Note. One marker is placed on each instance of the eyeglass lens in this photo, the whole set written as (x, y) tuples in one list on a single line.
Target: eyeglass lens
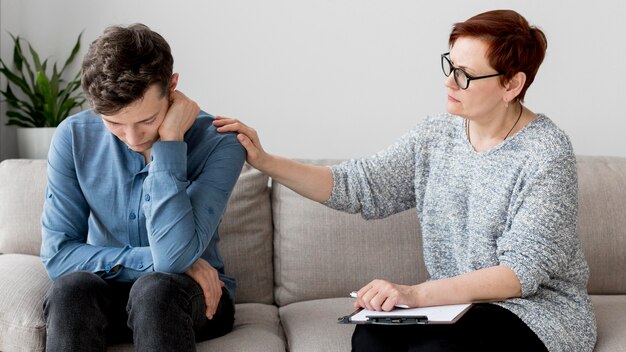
[(459, 75)]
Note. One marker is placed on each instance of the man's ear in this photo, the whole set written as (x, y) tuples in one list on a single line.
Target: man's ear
[(173, 83), (514, 86)]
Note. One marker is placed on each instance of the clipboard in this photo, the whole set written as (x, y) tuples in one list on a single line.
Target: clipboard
[(448, 314)]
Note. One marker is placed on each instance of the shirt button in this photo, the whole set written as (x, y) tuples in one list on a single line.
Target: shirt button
[(151, 158), (107, 268), (147, 197), (140, 266), (132, 216)]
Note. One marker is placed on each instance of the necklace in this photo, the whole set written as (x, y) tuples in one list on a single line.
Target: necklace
[(521, 109)]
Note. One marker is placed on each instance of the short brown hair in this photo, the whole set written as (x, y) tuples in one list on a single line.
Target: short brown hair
[(514, 45), (122, 64)]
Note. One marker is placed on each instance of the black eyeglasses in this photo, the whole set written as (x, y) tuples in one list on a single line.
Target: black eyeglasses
[(461, 77)]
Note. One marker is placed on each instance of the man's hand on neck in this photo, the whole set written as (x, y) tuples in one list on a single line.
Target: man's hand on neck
[(179, 118)]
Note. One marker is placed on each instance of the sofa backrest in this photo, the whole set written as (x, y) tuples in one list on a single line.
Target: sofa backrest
[(245, 231), (22, 185), (246, 238), (320, 252), (602, 221)]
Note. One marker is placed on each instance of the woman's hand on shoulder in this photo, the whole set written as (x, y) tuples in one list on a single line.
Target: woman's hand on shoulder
[(247, 136), (384, 295)]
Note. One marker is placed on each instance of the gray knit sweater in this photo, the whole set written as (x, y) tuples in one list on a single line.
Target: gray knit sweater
[(514, 205)]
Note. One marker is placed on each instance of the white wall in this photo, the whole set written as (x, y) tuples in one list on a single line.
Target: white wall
[(344, 78)]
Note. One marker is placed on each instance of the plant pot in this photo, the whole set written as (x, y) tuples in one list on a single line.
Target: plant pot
[(34, 142)]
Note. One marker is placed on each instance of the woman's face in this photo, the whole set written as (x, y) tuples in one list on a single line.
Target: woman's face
[(483, 98)]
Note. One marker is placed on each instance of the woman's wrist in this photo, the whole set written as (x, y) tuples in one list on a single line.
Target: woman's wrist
[(414, 296), (267, 164)]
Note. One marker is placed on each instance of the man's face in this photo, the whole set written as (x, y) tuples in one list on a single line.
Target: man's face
[(137, 125)]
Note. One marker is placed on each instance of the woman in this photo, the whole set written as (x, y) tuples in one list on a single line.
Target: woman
[(495, 190)]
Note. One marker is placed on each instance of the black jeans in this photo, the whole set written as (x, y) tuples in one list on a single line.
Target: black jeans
[(158, 312), (485, 327)]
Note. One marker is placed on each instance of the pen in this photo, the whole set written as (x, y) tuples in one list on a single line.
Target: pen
[(353, 295)]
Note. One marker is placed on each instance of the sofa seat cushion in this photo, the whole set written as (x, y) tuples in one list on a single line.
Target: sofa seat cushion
[(23, 285), (257, 328), (312, 326), (610, 313)]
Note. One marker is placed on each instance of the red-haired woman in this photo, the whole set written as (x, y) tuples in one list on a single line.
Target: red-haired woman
[(495, 189)]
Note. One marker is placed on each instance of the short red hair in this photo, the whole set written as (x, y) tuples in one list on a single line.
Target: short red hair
[(514, 45)]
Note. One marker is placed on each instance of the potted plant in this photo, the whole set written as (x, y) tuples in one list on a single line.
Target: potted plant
[(38, 100)]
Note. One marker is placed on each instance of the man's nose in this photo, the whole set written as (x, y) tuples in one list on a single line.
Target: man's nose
[(133, 136)]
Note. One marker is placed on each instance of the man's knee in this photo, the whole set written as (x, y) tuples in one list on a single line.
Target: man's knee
[(75, 287), (152, 286), (155, 289), (75, 295)]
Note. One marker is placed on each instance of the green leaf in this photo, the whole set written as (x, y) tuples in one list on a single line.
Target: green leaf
[(20, 51), (18, 81), (11, 98), (20, 119), (18, 58), (18, 123), (36, 60), (14, 101), (44, 65), (54, 91), (73, 54), (48, 98)]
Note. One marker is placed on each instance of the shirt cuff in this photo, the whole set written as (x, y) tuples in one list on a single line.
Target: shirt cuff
[(169, 156)]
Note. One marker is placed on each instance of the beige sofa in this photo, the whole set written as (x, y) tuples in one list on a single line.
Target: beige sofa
[(296, 260)]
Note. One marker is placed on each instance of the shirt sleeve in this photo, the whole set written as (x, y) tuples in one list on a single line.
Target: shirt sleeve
[(542, 237), (64, 222), (377, 186), (182, 216)]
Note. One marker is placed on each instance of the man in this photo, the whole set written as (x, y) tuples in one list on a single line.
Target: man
[(136, 189)]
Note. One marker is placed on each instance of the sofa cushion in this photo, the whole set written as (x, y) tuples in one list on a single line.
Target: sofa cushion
[(22, 185), (256, 328), (610, 313), (246, 238), (312, 326), (602, 221), (322, 253), (22, 288)]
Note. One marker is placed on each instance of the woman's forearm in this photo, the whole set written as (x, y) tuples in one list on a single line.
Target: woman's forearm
[(496, 283), (311, 181)]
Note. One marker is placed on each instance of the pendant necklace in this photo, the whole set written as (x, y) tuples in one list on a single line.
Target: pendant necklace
[(507, 135)]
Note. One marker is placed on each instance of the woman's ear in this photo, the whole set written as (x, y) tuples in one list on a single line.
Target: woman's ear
[(514, 86)]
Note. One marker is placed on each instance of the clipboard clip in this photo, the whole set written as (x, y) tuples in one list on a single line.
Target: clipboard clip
[(344, 319), (398, 320)]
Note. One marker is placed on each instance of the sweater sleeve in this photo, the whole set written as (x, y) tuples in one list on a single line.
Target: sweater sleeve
[(377, 186), (541, 235)]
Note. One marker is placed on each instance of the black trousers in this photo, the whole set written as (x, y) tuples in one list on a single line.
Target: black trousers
[(485, 327), (158, 312)]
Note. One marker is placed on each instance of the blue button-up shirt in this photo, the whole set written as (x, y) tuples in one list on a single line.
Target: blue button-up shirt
[(108, 212)]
